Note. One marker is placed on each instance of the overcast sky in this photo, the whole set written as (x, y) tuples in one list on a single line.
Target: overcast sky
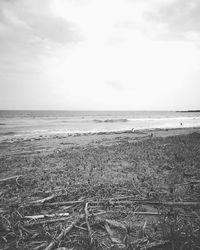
[(100, 54)]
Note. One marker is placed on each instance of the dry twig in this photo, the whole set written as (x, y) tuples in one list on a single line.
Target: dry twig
[(62, 234), (16, 177)]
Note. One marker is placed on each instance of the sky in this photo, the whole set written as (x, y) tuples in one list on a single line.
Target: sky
[(100, 54)]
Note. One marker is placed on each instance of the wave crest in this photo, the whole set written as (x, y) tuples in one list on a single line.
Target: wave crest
[(111, 120)]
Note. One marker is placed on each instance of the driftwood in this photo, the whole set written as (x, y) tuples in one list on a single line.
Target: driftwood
[(15, 177), (87, 221), (42, 222), (43, 200), (64, 203), (62, 234), (112, 202), (43, 216), (158, 203), (52, 204), (122, 198)]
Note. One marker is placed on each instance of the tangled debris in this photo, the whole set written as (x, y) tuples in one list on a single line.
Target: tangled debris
[(142, 213), (124, 222)]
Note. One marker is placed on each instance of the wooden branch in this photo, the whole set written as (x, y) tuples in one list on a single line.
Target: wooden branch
[(87, 221), (122, 198), (53, 204), (144, 227), (15, 177), (158, 203), (62, 235), (64, 203), (113, 202), (43, 216), (147, 213), (44, 200), (41, 222)]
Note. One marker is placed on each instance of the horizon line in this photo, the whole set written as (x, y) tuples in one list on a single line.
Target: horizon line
[(102, 110)]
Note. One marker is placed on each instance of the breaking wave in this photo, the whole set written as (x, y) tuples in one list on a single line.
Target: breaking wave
[(111, 120)]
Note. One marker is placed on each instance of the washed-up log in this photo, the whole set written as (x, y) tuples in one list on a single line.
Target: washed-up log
[(41, 222), (62, 235), (43, 216), (112, 202), (72, 203), (87, 221), (149, 202), (158, 203)]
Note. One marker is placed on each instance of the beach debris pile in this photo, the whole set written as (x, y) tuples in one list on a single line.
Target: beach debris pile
[(53, 221), (125, 193)]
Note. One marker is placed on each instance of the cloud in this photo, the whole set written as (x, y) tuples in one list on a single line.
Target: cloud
[(29, 28), (28, 33), (99, 54), (180, 18), (114, 84), (54, 29)]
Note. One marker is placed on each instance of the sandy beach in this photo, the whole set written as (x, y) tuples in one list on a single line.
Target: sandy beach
[(99, 125), (157, 165)]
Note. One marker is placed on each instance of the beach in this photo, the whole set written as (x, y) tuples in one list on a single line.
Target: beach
[(144, 165), (99, 125)]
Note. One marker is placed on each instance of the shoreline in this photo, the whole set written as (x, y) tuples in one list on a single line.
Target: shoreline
[(15, 137), (46, 144)]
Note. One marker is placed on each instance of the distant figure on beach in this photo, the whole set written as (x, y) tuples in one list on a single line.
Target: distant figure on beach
[(181, 124)]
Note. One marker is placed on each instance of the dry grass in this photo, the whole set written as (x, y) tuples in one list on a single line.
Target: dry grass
[(158, 169)]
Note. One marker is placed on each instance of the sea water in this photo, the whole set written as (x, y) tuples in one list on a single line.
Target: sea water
[(40, 123)]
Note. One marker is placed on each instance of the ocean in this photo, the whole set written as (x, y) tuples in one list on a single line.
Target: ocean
[(15, 124)]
